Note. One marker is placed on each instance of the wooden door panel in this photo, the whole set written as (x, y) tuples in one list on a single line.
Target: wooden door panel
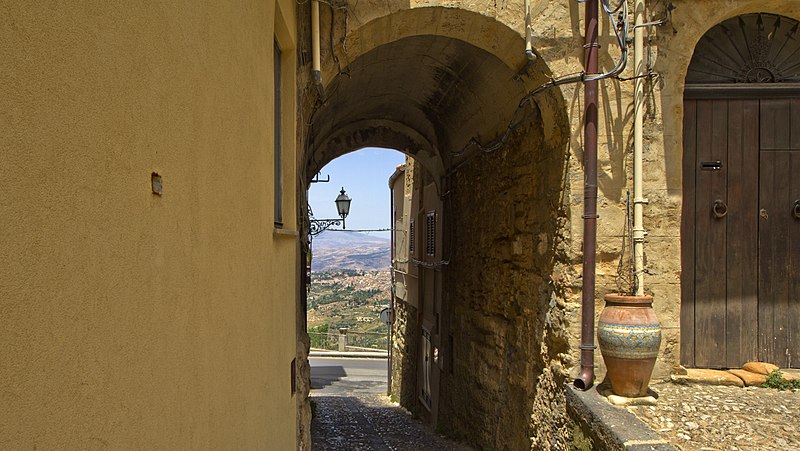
[(775, 124), (778, 232), (710, 235), (793, 246), (773, 238), (741, 309), (795, 124)]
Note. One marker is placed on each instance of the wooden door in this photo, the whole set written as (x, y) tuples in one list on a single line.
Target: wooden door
[(741, 244), (720, 304), (779, 233)]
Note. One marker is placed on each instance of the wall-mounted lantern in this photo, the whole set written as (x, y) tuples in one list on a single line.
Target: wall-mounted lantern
[(342, 206)]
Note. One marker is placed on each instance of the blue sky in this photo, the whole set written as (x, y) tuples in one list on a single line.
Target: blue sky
[(364, 174)]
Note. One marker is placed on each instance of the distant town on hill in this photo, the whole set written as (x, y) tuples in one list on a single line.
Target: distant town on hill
[(341, 250), (350, 285)]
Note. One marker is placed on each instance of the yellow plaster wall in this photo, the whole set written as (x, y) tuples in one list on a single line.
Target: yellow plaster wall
[(128, 320)]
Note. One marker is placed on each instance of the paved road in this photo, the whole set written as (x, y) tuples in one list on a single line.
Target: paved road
[(346, 376), (354, 413)]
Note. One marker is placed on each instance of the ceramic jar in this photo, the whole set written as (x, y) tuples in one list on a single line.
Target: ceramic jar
[(629, 336)]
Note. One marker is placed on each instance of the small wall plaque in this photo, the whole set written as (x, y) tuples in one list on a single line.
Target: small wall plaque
[(155, 181)]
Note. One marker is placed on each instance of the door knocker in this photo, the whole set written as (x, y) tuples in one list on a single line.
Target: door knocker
[(720, 209)]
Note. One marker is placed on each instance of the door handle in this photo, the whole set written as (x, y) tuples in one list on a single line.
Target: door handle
[(720, 209), (796, 209)]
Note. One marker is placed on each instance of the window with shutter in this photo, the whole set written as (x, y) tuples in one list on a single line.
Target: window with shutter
[(430, 234)]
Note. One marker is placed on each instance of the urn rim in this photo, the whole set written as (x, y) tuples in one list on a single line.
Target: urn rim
[(624, 299)]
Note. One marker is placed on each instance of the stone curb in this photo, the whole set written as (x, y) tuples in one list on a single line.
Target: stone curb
[(611, 427)]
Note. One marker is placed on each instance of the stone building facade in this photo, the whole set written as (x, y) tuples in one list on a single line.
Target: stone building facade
[(495, 310)]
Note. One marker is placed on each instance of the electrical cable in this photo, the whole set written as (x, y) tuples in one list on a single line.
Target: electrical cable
[(622, 29)]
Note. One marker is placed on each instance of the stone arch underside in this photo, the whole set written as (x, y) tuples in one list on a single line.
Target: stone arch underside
[(427, 82)]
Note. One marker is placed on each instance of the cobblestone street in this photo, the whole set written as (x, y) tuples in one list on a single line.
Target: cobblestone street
[(717, 418), (370, 422), (353, 413)]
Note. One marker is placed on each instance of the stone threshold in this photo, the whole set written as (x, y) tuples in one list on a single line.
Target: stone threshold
[(610, 427), (751, 374)]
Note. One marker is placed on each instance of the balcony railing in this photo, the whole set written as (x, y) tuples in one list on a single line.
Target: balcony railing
[(348, 341)]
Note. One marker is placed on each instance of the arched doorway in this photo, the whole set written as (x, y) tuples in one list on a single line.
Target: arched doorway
[(450, 88), (741, 209)]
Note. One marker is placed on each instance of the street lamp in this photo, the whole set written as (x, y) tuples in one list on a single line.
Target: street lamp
[(320, 225), (343, 205)]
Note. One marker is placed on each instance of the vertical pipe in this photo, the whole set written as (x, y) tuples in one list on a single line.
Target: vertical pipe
[(392, 222), (315, 58), (586, 378), (638, 98), (528, 31)]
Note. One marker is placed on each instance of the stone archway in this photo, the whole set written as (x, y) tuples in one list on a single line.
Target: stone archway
[(446, 87), (465, 53)]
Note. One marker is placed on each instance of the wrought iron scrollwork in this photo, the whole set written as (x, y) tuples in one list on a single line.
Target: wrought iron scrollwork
[(318, 226)]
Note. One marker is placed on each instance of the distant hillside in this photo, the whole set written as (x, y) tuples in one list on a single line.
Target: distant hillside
[(350, 250)]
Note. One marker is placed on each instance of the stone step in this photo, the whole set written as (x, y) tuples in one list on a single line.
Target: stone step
[(707, 377), (751, 374)]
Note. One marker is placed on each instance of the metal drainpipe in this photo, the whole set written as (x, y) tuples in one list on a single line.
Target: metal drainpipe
[(528, 32), (638, 98), (316, 73), (392, 297), (586, 378)]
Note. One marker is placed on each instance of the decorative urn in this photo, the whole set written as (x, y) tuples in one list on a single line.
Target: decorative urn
[(629, 336)]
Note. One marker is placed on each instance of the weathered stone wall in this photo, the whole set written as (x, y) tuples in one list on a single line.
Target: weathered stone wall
[(405, 346), (506, 311)]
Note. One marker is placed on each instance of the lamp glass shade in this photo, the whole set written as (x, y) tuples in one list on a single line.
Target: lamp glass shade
[(343, 204)]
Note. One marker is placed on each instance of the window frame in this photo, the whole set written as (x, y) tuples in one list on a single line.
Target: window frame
[(277, 163)]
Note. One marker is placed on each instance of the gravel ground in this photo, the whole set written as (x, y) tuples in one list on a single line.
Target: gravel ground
[(371, 422), (706, 418)]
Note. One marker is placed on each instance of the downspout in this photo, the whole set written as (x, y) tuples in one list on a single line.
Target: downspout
[(638, 199), (392, 223), (585, 379), (528, 32), (315, 59)]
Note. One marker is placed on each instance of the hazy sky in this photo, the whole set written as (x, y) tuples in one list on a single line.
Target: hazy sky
[(364, 174)]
